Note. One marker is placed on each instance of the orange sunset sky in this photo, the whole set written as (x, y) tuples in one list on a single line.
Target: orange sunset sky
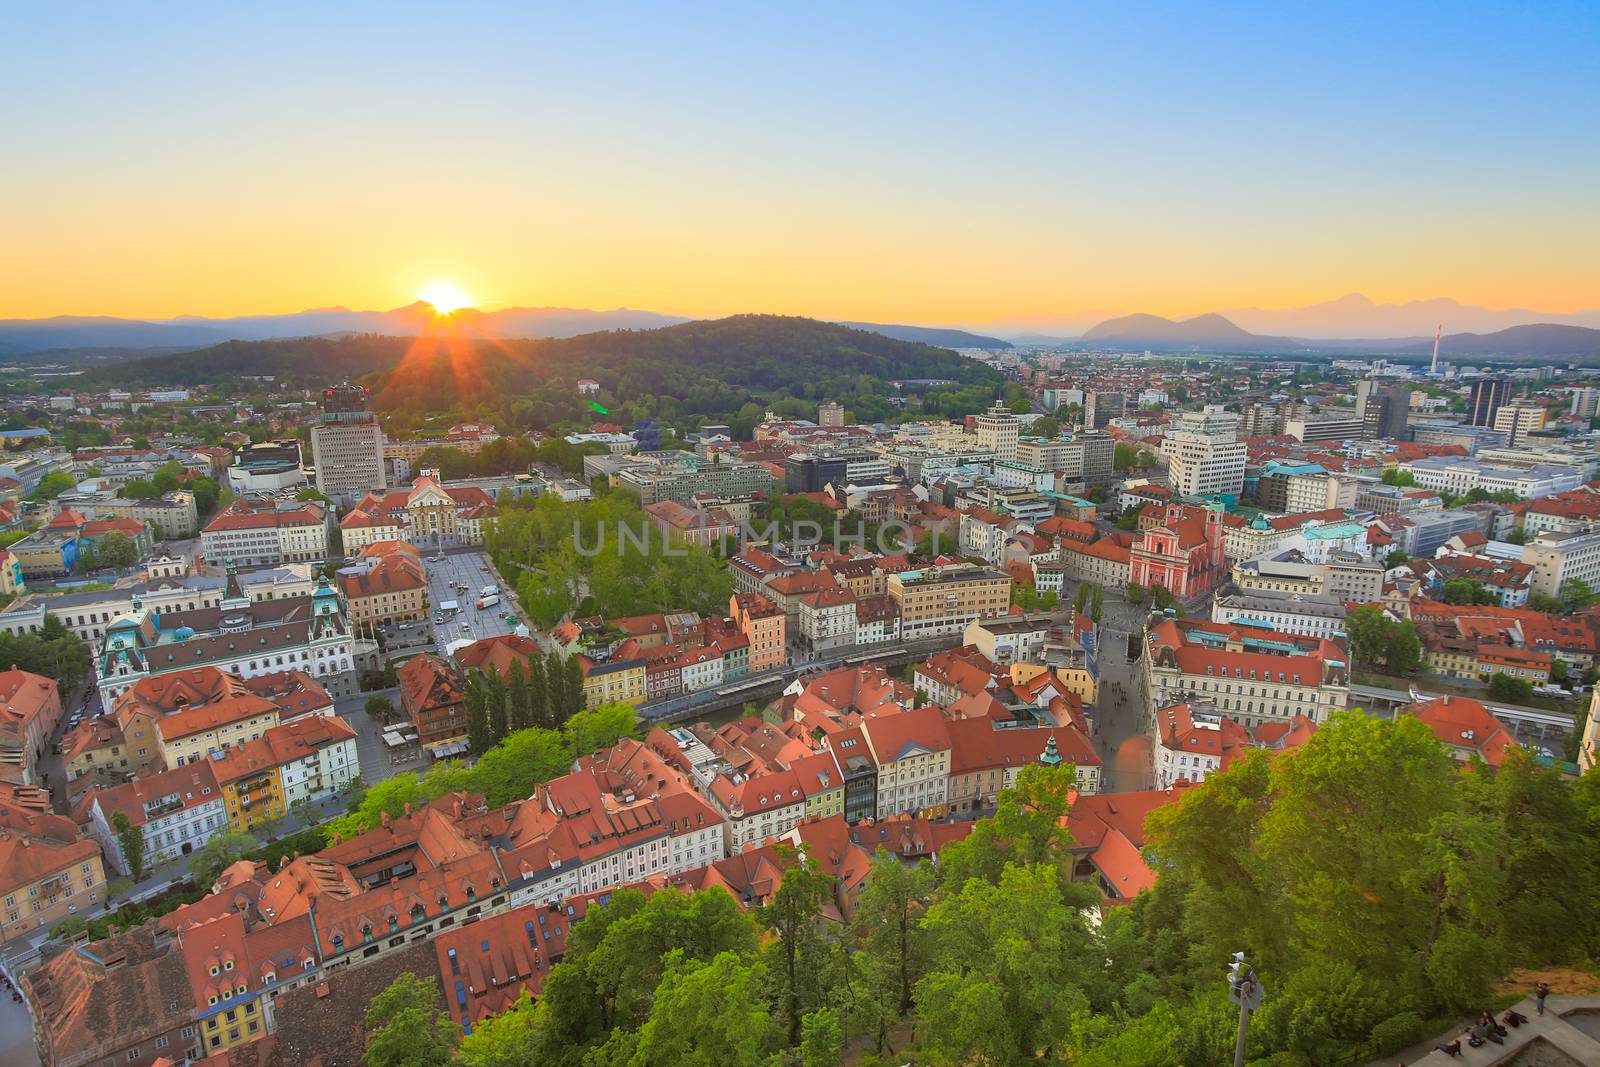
[(1017, 166)]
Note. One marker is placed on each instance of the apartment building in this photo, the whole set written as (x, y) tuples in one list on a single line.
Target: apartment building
[(178, 809), (200, 731), (47, 872), (384, 589), (265, 533), (30, 709), (1251, 674), (762, 624), (1559, 559), (1205, 454), (997, 430), (433, 698), (944, 599), (1311, 614), (347, 445)]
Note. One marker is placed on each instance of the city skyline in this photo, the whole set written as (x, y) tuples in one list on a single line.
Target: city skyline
[(1019, 168)]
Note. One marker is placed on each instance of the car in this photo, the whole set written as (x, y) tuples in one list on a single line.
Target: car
[(466, 626)]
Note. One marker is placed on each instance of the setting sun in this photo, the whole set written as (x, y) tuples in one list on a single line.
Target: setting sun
[(445, 297)]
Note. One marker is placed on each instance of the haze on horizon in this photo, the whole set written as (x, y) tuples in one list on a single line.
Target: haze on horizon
[(1018, 167)]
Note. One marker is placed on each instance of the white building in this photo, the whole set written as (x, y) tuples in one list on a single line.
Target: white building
[(1192, 741), (1205, 453), (179, 811), (266, 533), (912, 751), (316, 757), (1295, 613), (1560, 559), (997, 432), (702, 668), (347, 453), (1458, 476)]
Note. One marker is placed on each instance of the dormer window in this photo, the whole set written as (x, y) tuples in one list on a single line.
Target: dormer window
[(227, 965)]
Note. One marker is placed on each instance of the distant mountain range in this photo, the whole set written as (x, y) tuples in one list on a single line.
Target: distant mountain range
[(932, 335), (20, 337), (45, 338), (1202, 331), (1355, 316), (1216, 333)]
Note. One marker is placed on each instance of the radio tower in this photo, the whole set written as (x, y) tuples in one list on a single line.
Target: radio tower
[(1433, 370)]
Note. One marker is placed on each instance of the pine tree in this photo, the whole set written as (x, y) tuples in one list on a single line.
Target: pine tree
[(574, 704), (517, 707), (555, 689), (538, 697), (495, 700), (477, 716)]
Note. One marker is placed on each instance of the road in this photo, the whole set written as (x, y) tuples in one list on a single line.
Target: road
[(469, 624)]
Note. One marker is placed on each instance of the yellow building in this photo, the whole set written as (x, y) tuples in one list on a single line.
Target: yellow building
[(942, 600), (391, 588), (251, 785), (211, 729), (612, 682), (47, 872)]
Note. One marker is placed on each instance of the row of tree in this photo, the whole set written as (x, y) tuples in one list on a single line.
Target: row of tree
[(547, 694), (510, 770), (1378, 886)]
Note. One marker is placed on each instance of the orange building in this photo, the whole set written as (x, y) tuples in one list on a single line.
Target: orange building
[(762, 624)]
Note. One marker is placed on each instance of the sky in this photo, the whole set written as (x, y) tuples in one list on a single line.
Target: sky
[(996, 163)]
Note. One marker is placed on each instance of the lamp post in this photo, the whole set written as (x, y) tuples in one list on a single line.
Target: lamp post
[(1244, 989)]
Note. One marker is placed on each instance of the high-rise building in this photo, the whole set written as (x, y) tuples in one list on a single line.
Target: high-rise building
[(1585, 402), (1487, 396), (998, 430), (830, 414), (347, 445), (1099, 408), (1517, 420), (1205, 453), (1382, 409)]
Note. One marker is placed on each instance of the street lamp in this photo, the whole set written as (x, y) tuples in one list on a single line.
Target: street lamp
[(1244, 989)]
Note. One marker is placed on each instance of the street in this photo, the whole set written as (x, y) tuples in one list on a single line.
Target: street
[(446, 575)]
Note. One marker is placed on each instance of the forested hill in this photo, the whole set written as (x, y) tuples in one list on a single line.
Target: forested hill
[(762, 351)]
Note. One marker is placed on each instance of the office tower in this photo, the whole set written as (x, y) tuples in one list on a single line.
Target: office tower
[(997, 432), (1585, 402), (1382, 409), (1487, 396), (347, 445), (1099, 408), (1205, 453), (1519, 419)]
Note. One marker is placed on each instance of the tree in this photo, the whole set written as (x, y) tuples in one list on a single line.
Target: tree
[(494, 699), (1545, 602), (538, 694), (1376, 638), (479, 737), (1396, 477), (312, 493), (1577, 594), (573, 701), (514, 768), (1080, 597), (600, 727), (791, 915), (206, 494), (117, 550), (52, 485), (1396, 558), (408, 1026), (1128, 520), (388, 797), (217, 854), (1136, 593), (1097, 606), (130, 839), (1404, 652), (1560, 672), (1467, 591), (889, 924), (821, 1039), (140, 489), (710, 1015), (379, 707), (167, 476), (519, 712), (1512, 690)]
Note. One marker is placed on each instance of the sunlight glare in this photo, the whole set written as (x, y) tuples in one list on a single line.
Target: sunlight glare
[(445, 297)]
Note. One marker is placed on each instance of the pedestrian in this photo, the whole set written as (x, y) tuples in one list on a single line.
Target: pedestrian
[(1544, 991)]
